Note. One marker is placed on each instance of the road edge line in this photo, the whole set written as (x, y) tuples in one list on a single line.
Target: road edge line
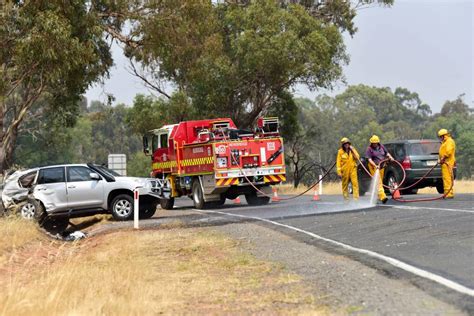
[(406, 207), (394, 262)]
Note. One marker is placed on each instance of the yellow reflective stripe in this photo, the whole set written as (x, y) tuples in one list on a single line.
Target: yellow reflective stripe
[(164, 165), (274, 178), (197, 161)]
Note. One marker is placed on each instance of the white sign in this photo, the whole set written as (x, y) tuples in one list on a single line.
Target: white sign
[(270, 146), (118, 163), (198, 150)]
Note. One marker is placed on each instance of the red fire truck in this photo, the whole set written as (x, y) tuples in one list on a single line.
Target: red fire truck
[(212, 160)]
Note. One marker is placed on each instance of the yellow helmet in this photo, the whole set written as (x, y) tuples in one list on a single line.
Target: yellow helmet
[(442, 132), (345, 140), (374, 139)]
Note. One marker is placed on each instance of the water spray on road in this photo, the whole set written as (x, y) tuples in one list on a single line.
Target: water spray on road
[(374, 185)]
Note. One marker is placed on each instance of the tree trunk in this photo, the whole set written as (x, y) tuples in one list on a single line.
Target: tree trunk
[(7, 150), (3, 166)]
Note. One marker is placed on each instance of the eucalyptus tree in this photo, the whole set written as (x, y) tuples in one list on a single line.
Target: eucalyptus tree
[(49, 51)]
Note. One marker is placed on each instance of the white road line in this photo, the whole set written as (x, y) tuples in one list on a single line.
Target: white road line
[(395, 262), (405, 207)]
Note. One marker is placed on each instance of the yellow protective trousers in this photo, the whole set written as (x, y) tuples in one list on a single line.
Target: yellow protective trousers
[(350, 176), (381, 191), (346, 163), (446, 173), (447, 151)]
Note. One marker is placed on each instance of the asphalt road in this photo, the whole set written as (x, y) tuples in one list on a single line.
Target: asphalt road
[(431, 243)]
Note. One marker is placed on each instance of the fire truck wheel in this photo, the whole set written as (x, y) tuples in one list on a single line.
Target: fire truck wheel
[(253, 199), (198, 196), (122, 207), (215, 204), (167, 204), (148, 210)]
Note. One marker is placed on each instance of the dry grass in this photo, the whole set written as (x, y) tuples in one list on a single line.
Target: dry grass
[(16, 233), (460, 186), (328, 188), (192, 271)]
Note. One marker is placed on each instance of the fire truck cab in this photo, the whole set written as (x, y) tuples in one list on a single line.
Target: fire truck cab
[(212, 160)]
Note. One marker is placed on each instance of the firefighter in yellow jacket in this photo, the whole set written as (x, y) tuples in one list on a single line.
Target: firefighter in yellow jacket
[(346, 164), (447, 159)]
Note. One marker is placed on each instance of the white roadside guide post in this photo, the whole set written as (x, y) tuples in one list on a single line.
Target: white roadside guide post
[(320, 185), (136, 207)]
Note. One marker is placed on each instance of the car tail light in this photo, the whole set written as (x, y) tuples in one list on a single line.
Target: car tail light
[(406, 163)]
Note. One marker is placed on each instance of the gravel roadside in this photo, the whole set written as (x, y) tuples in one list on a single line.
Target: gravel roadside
[(345, 285)]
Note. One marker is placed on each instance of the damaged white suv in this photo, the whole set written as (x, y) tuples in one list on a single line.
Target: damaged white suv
[(74, 190)]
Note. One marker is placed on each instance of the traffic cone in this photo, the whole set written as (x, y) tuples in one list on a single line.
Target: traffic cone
[(396, 194), (237, 200), (275, 197), (316, 195)]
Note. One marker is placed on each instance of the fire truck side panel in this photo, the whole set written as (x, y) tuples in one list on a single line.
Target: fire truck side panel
[(251, 156), (197, 159)]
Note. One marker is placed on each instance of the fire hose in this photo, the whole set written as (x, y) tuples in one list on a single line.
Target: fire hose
[(265, 194), (400, 188), (397, 188)]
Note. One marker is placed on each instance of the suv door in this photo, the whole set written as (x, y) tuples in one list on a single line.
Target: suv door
[(51, 189), (83, 191)]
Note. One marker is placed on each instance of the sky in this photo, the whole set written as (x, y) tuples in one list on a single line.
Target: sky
[(426, 46)]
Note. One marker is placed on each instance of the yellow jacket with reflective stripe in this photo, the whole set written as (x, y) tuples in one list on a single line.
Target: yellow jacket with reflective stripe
[(346, 161), (448, 150)]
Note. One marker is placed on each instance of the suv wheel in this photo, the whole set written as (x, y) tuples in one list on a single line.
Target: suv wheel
[(391, 180), (440, 187), (28, 210), (122, 207), (50, 224), (198, 195)]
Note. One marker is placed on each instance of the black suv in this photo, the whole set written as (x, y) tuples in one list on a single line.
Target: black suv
[(417, 158)]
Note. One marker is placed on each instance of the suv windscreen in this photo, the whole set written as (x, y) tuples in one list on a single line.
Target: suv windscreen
[(108, 174), (424, 149), (51, 175)]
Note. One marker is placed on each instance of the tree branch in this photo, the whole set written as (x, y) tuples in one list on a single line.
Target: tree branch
[(121, 38), (147, 82)]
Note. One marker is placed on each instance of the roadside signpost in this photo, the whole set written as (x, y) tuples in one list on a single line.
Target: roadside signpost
[(136, 209)]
